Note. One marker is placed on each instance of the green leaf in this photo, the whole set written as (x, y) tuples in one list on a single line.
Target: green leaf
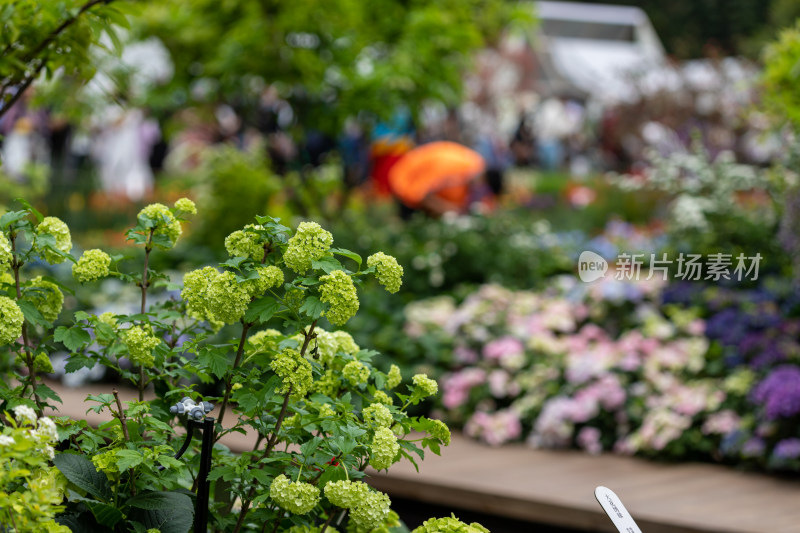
[(128, 459), (12, 217), (216, 360), (327, 264), (43, 391), (313, 307), (159, 500), (32, 314), (24, 203), (347, 253), (177, 519), (82, 473), (106, 515), (73, 338), (262, 309)]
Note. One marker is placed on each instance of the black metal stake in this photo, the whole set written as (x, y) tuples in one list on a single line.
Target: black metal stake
[(203, 484)]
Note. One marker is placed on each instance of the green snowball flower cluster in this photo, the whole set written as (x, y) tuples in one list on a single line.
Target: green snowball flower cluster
[(425, 385), (345, 342), (338, 290), (378, 415), (42, 364), (166, 223), (215, 296), (382, 397), (297, 497), (328, 384), (268, 277), (387, 270), (370, 512), (263, 341), (294, 370), (311, 529), (5, 252), (58, 229), (384, 449), (11, 319), (308, 244), (439, 430), (355, 372), (394, 377), (92, 266), (326, 345), (141, 342), (46, 297), (248, 244), (106, 462), (185, 205), (449, 525), (346, 494)]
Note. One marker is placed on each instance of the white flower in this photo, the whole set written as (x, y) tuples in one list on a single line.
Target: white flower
[(47, 429), (6, 440), (23, 413)]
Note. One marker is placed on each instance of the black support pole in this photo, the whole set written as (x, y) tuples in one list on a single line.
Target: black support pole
[(203, 484)]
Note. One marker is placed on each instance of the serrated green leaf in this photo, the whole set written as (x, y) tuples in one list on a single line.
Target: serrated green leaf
[(128, 459), (73, 338), (159, 500), (327, 264), (347, 253), (313, 307), (106, 515), (32, 315), (262, 310), (216, 360)]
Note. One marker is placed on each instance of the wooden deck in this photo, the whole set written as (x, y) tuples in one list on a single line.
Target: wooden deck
[(557, 487)]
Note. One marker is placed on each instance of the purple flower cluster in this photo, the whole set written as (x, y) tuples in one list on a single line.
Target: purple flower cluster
[(779, 392)]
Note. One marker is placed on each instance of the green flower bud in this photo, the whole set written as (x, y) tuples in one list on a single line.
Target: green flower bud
[(338, 290), (346, 494), (394, 377), (42, 364), (377, 414), (388, 272), (440, 431), (355, 372), (46, 297), (166, 223), (11, 319), (425, 385), (449, 525), (184, 205), (382, 397), (268, 277), (308, 244), (294, 370), (297, 497), (384, 449), (141, 342), (59, 230), (345, 342), (245, 244), (371, 512), (5, 252), (227, 299), (92, 266)]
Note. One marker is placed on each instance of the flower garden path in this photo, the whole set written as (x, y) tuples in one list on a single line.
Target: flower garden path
[(557, 487)]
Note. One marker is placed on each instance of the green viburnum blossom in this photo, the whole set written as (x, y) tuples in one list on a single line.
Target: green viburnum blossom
[(11, 319), (328, 384), (382, 397), (6, 277), (345, 342), (394, 377), (440, 431), (388, 272), (106, 462), (46, 297), (326, 345), (42, 364), (185, 205), (141, 341), (311, 529), (226, 298), (165, 223), (449, 525), (384, 449), (92, 266), (308, 244), (268, 277), (338, 290), (297, 497), (323, 409), (294, 370), (425, 385), (153, 530), (195, 291), (248, 244), (355, 372), (377, 414), (346, 494), (5, 252), (59, 230), (263, 341), (370, 513)]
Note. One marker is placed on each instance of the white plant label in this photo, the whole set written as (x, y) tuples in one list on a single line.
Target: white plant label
[(617, 512)]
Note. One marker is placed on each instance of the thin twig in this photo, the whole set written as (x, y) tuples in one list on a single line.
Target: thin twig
[(123, 420), (228, 381)]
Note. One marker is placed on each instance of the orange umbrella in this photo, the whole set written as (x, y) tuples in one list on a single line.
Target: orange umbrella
[(444, 168)]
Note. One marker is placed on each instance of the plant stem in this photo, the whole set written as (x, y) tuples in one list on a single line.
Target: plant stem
[(147, 249), (229, 380), (16, 264), (124, 423), (327, 522)]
